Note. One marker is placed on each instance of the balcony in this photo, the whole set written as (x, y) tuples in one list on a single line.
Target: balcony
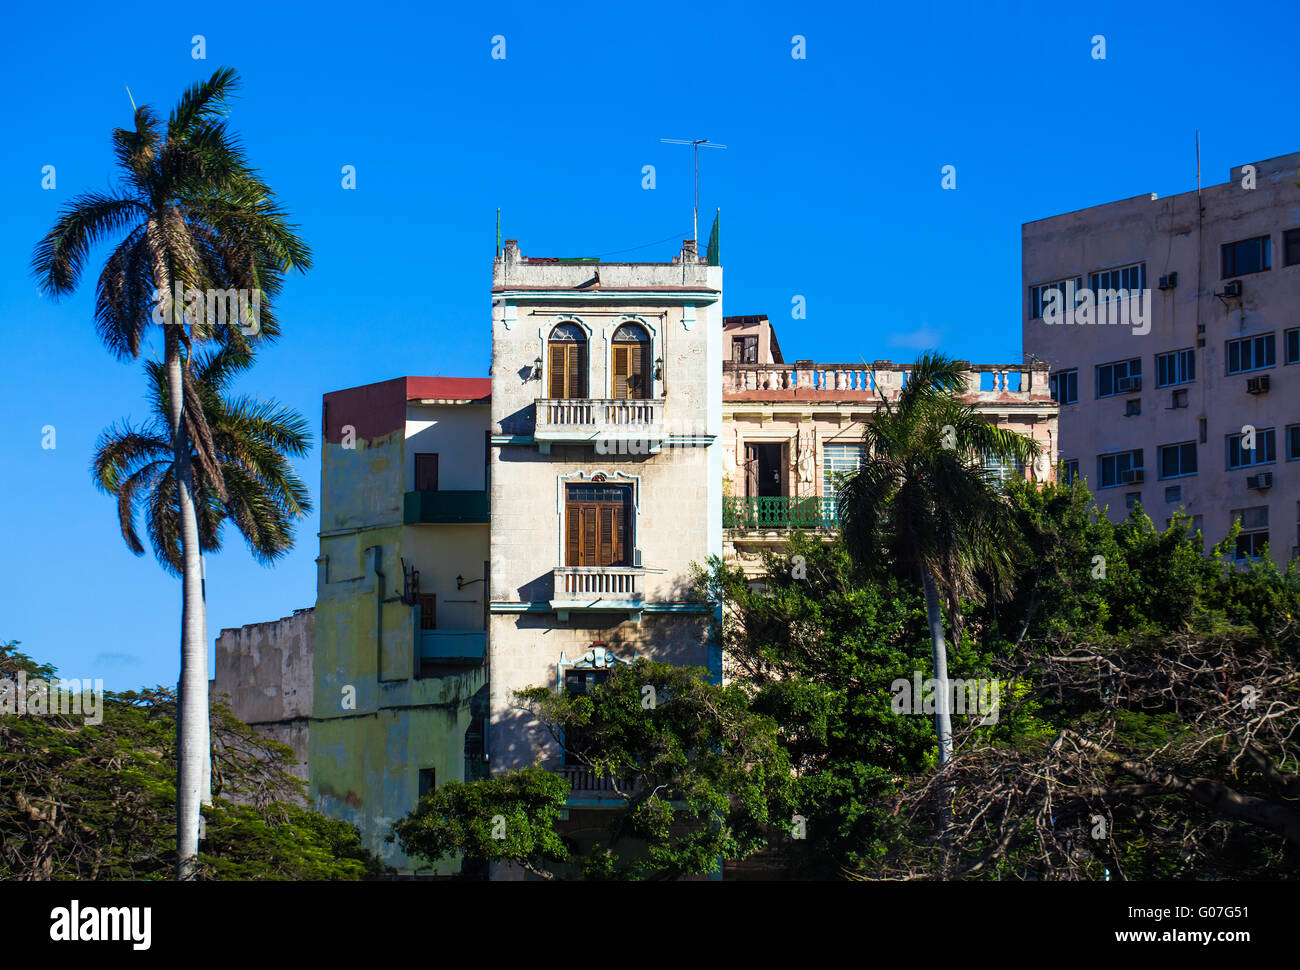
[(778, 512), (445, 506), (612, 424), (452, 646), (585, 781), (806, 380), (598, 588)]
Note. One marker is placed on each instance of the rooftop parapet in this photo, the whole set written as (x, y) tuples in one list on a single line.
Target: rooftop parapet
[(806, 379)]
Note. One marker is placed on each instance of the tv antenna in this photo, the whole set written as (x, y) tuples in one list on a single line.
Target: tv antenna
[(695, 143)]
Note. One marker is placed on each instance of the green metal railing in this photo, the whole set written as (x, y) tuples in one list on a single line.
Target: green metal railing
[(778, 512)]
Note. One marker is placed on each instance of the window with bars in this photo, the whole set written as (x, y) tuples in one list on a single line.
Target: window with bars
[(566, 361), (1002, 469), (598, 525), (837, 462)]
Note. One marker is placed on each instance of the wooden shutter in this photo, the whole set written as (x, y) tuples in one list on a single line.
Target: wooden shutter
[(619, 537), (576, 370), (751, 471), (428, 611), (636, 371), (556, 376), (589, 536), (630, 370), (573, 540), (621, 370), (605, 554)]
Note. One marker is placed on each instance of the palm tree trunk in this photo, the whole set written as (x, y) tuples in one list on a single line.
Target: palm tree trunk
[(192, 703), (205, 786), (942, 715)]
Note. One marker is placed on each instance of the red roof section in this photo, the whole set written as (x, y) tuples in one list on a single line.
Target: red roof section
[(449, 388), (378, 409)]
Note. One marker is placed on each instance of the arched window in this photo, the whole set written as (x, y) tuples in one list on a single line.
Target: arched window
[(567, 362), (630, 364)]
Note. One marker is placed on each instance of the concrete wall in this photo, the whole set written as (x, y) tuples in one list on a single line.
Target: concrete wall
[(1170, 236), (376, 724), (456, 434), (263, 673)]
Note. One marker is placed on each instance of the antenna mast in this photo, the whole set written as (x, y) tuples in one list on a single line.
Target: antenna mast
[(695, 143)]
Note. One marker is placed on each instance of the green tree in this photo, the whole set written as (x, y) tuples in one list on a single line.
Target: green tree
[(98, 801), (192, 218), (924, 501), (699, 777)]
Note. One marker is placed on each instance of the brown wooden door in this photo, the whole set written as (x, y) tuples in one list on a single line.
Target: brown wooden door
[(596, 528)]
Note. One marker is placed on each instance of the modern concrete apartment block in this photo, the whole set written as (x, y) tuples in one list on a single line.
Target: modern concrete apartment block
[(1194, 402), (605, 480)]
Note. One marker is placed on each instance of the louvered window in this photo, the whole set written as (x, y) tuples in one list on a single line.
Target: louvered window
[(566, 362)]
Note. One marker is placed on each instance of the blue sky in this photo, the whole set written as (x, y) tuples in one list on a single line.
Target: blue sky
[(829, 189)]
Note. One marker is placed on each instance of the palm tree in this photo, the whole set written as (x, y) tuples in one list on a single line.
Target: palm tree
[(925, 501), (192, 218), (250, 440)]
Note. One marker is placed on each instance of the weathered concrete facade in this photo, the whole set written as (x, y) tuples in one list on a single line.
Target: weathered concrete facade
[(790, 428), (656, 453), (1191, 252), (263, 673), (394, 686)]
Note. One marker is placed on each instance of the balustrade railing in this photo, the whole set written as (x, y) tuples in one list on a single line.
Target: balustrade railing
[(779, 512)]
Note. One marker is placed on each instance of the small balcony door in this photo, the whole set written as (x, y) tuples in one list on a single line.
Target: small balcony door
[(763, 469), (597, 525)]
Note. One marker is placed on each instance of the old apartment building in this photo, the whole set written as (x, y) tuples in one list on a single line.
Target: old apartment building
[(538, 528), (1189, 400), (792, 429)]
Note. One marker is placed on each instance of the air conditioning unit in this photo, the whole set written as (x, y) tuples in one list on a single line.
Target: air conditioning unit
[(1131, 477), (1260, 482), (1231, 289), (1126, 384), (1179, 400), (1169, 282), (1257, 385)]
